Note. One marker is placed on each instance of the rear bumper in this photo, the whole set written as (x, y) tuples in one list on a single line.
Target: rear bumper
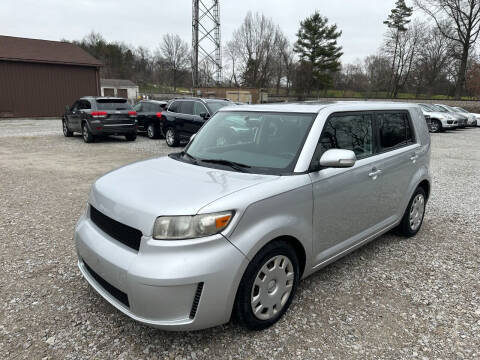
[(172, 285), (117, 129)]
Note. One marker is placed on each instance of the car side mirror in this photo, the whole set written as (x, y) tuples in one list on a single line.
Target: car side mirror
[(338, 158), (67, 108), (204, 115)]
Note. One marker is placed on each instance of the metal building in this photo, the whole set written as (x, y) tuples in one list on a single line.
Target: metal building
[(38, 77)]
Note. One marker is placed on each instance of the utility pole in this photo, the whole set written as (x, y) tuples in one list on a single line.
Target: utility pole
[(206, 42)]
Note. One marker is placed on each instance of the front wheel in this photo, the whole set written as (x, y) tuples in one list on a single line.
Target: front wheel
[(268, 286), (66, 130), (436, 126), (413, 218), (171, 137)]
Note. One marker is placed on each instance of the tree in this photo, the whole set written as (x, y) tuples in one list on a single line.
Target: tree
[(255, 46), (175, 52), (318, 50), (397, 20), (459, 21)]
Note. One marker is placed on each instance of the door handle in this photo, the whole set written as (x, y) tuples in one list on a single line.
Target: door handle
[(374, 174)]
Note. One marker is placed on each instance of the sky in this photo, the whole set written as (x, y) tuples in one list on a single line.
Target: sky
[(142, 23)]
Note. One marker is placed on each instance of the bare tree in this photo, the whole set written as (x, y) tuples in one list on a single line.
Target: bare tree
[(233, 55), (175, 52), (256, 41), (459, 21)]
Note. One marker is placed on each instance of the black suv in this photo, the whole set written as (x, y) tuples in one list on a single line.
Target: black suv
[(149, 115), (94, 117), (184, 117)]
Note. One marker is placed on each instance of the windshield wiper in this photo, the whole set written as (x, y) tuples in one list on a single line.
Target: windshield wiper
[(192, 158), (232, 164)]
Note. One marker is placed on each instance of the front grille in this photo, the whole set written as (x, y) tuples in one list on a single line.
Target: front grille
[(112, 290), (196, 300), (123, 233)]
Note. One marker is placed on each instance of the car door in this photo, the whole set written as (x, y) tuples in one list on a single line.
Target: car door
[(73, 116), (187, 119), (397, 156), (198, 121), (139, 108), (345, 200)]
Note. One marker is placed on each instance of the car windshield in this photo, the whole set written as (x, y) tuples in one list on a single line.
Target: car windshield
[(214, 106), (438, 108), (427, 108), (256, 142), (113, 104)]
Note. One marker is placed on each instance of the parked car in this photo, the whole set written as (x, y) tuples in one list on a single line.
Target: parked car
[(149, 116), (95, 117), (473, 119), (184, 117), (440, 120), (462, 120), (184, 241)]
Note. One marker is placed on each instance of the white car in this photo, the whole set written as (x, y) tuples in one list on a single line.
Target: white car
[(439, 120), (473, 119)]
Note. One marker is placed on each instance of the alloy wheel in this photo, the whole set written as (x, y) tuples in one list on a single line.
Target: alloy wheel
[(416, 212), (150, 131), (272, 287), (435, 126), (170, 137)]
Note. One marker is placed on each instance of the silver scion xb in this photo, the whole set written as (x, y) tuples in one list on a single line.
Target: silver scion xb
[(261, 197)]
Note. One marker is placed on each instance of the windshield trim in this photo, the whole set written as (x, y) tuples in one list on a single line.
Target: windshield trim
[(289, 170)]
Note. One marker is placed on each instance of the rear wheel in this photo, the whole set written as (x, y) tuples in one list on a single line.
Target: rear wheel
[(153, 132), (413, 218), (436, 126), (131, 137), (268, 286), (86, 134), (171, 137), (66, 130)]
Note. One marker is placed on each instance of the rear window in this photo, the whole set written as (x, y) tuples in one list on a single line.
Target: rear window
[(394, 130), (214, 106), (113, 104)]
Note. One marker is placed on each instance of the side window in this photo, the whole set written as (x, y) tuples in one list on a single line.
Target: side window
[(75, 106), (86, 105), (394, 130), (349, 132), (187, 107), (174, 106), (138, 107), (199, 108)]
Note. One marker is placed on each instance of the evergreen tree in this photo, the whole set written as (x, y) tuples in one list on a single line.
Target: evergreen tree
[(398, 20), (318, 50)]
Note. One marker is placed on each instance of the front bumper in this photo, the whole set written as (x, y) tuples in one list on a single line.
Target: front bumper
[(172, 285)]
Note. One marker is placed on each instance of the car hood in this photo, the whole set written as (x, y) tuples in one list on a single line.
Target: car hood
[(437, 115), (138, 193)]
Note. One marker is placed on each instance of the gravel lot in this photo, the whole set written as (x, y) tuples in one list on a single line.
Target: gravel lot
[(393, 299)]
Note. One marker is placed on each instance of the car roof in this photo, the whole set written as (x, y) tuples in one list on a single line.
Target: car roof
[(154, 101), (205, 100), (316, 107), (102, 98)]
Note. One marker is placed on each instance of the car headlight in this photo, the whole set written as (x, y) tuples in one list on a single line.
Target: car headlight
[(190, 227)]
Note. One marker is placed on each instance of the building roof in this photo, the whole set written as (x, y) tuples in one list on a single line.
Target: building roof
[(44, 51), (116, 83)]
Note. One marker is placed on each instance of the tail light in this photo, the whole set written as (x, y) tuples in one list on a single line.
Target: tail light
[(132, 113), (98, 114), (159, 115)]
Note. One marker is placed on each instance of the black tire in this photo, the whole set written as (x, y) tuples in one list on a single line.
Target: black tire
[(131, 137), (86, 134), (171, 137), (66, 130), (436, 126), (406, 228), (153, 131), (242, 310)]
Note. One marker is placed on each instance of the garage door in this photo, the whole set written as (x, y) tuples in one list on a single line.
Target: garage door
[(122, 93), (108, 92)]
